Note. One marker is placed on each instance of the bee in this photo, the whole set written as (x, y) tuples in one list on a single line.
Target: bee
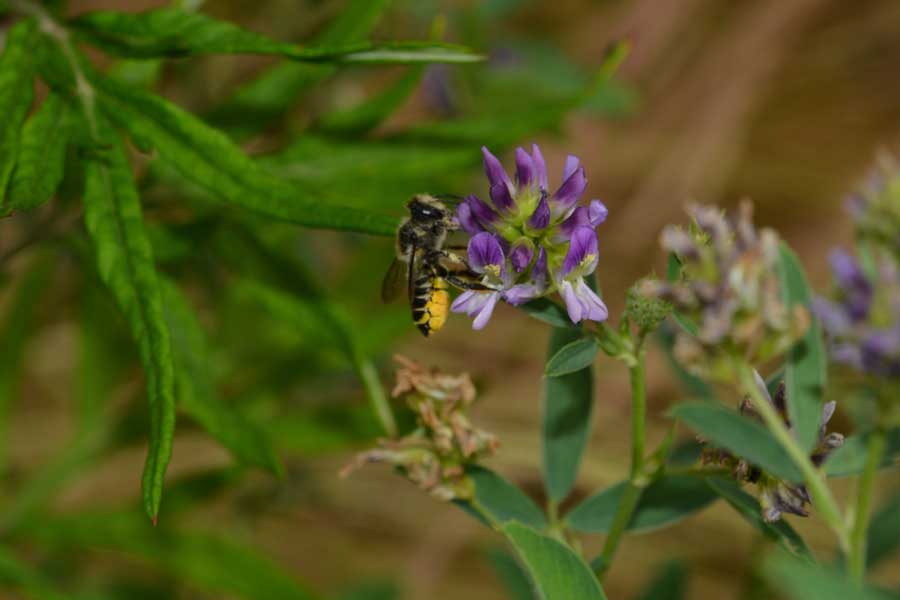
[(426, 265)]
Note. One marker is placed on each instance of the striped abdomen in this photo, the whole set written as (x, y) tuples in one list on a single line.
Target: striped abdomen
[(430, 303)]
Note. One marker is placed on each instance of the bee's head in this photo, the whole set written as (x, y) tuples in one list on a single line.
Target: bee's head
[(426, 209)]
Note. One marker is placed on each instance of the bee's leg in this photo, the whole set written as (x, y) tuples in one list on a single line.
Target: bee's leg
[(468, 281)]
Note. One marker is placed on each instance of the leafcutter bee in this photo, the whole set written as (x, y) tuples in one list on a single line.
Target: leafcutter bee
[(425, 265)]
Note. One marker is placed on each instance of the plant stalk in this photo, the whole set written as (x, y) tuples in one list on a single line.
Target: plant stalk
[(861, 512), (635, 487), (813, 478)]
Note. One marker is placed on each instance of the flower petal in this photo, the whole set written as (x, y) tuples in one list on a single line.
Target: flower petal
[(540, 218), (583, 252), (484, 315), (468, 300), (592, 307), (467, 220), (539, 273), (573, 306), (501, 196), (566, 197), (486, 215), (522, 293), (597, 212), (572, 163), (485, 253), (493, 169), (853, 282), (526, 172), (540, 165), (521, 254)]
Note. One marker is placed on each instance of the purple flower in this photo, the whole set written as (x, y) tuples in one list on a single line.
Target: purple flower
[(527, 243), (851, 278)]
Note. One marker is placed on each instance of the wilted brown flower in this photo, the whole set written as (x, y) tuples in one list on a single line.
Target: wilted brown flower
[(776, 496), (729, 287), (435, 455)]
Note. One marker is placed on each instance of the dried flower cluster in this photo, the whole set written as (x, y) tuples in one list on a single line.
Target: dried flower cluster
[(435, 455), (776, 496), (729, 287), (528, 243)]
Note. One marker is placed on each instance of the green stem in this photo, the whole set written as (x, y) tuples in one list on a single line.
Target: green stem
[(814, 479), (635, 487), (861, 513)]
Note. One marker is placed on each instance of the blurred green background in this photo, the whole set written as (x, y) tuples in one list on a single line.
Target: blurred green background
[(785, 102)]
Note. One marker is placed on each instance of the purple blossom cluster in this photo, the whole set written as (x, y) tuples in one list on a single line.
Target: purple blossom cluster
[(527, 243), (862, 318)]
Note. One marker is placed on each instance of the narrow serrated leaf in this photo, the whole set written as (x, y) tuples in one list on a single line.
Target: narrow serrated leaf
[(16, 95), (556, 571), (568, 406), (726, 428), (42, 155), (207, 157), (170, 32), (664, 502), (747, 506), (196, 393), (125, 263), (572, 357), (806, 367)]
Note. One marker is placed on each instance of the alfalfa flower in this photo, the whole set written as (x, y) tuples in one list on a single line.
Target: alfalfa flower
[(776, 496), (861, 318), (730, 290), (876, 209), (435, 455), (528, 242)]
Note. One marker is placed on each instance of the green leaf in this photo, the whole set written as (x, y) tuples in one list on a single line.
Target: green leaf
[(556, 571), (850, 458), (804, 580), (16, 575), (509, 571), (664, 502), (175, 33), (883, 539), (206, 157), (16, 95), (806, 367), (207, 562), (572, 357), (125, 263), (196, 392), (727, 429), (670, 583), (500, 501), (42, 155), (568, 404), (371, 113), (15, 329), (747, 506), (281, 86), (548, 311)]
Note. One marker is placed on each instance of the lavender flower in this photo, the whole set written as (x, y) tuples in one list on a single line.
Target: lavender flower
[(436, 454), (729, 287), (528, 243), (862, 318), (776, 496)]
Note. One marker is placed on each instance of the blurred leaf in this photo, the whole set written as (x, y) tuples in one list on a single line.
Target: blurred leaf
[(208, 158), (175, 33), (548, 311), (568, 405), (727, 429), (279, 87), (41, 160), (664, 502), (804, 580), (371, 113), (125, 264), (747, 506), (16, 95), (883, 539), (850, 458), (501, 501), (206, 562), (515, 579), (807, 362), (15, 328), (572, 357), (16, 575), (693, 385), (196, 391), (670, 583), (556, 571)]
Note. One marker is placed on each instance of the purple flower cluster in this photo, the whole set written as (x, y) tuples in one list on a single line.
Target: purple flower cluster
[(862, 319), (527, 243)]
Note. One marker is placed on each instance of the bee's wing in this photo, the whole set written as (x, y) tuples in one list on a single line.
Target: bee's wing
[(393, 281)]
